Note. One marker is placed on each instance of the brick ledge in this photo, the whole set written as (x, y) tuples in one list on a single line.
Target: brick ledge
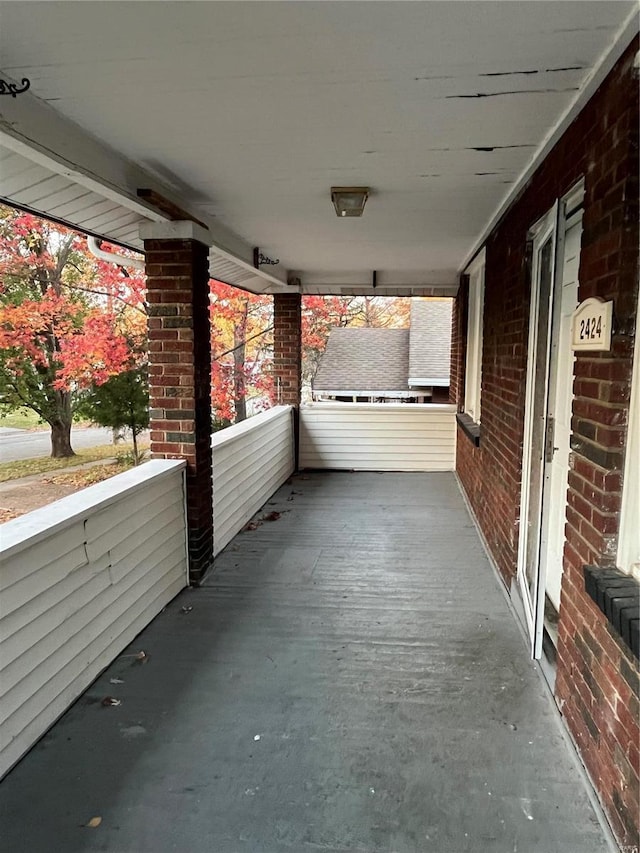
[(618, 597), (469, 427)]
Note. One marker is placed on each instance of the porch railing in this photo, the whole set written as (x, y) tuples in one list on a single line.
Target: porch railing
[(378, 436), (251, 460), (78, 580)]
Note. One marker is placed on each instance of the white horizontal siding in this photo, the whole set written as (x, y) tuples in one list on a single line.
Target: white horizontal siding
[(251, 461), (79, 579), (378, 437)]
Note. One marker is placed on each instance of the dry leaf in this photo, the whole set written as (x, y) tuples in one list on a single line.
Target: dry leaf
[(116, 681), (110, 702), (143, 657), (253, 525), (272, 516), (95, 821)]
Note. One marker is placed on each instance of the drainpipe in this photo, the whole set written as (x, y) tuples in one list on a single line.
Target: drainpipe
[(111, 257)]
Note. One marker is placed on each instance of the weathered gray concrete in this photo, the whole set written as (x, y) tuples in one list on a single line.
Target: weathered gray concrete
[(350, 679)]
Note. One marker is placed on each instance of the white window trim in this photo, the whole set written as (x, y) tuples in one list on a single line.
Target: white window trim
[(628, 558), (473, 362)]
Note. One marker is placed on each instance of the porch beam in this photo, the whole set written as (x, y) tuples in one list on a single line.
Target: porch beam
[(177, 267)]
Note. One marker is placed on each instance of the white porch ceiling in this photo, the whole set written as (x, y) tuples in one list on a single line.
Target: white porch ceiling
[(246, 113)]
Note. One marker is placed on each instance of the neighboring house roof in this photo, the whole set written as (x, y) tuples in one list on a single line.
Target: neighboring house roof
[(389, 362), (372, 360), (430, 342)]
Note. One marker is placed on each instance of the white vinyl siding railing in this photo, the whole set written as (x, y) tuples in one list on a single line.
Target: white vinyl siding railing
[(251, 460), (79, 579), (378, 437)]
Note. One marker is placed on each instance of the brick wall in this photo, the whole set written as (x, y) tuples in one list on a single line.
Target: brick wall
[(597, 677), (180, 378), (287, 350)]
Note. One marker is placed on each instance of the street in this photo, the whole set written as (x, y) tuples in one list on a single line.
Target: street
[(23, 444)]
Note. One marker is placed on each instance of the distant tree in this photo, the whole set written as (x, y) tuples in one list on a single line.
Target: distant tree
[(122, 402), (64, 320), (241, 352)]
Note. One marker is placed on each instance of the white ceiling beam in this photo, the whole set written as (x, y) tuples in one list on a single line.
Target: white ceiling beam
[(32, 128)]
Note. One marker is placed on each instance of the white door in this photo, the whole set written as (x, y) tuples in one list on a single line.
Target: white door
[(559, 414), (545, 464)]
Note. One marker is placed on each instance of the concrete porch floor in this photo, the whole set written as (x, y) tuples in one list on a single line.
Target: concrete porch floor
[(350, 678)]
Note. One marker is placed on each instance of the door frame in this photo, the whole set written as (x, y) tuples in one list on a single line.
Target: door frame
[(553, 224)]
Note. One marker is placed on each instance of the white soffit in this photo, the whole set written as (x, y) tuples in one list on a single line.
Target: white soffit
[(245, 114), (33, 187)]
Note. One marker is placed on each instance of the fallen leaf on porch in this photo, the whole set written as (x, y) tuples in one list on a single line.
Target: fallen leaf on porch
[(95, 821), (253, 525), (111, 702), (186, 609), (138, 655), (272, 516), (116, 681)]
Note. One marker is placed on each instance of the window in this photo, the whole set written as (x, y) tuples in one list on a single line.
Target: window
[(629, 537), (473, 368)]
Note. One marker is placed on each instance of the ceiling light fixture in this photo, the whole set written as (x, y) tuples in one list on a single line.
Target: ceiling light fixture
[(349, 201)]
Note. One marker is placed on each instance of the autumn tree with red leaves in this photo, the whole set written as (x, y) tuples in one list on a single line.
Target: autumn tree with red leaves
[(241, 352), (67, 320)]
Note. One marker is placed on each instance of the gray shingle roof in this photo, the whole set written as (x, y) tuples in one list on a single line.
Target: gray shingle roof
[(364, 360), (384, 360), (430, 344)]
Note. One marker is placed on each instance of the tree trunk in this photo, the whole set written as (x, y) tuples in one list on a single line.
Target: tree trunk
[(61, 426), (135, 445), (61, 439), (239, 385)]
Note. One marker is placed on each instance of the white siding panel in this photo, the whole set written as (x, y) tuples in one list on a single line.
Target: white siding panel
[(79, 579), (378, 437), (250, 462)]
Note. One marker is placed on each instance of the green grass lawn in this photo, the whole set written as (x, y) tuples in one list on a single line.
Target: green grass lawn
[(43, 464), (27, 419), (22, 419)]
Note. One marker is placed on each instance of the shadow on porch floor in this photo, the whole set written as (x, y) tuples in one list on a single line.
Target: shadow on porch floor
[(350, 678)]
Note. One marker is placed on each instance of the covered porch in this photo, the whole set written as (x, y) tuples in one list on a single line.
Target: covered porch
[(349, 677), (498, 144)]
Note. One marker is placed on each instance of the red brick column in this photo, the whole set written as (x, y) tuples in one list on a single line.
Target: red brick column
[(287, 355), (180, 373), (287, 349)]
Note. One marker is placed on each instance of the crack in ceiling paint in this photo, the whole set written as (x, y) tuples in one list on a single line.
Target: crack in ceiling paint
[(533, 71), (514, 92)]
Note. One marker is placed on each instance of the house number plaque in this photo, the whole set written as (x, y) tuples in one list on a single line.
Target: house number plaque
[(591, 328)]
